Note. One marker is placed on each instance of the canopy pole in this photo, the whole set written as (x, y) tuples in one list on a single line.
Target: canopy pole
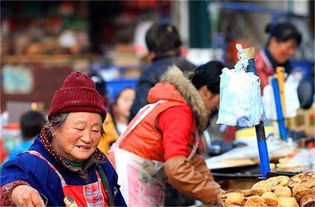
[(260, 129)]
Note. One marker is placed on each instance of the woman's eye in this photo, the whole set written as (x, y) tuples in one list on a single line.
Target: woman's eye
[(79, 129), (96, 131)]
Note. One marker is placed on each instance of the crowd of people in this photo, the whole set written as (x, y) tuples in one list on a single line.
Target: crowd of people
[(142, 149)]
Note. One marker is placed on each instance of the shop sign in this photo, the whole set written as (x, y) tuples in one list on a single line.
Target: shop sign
[(17, 79)]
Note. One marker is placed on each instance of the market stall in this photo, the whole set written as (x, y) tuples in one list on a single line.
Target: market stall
[(238, 170)]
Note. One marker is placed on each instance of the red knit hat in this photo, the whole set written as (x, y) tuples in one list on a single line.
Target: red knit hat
[(77, 94)]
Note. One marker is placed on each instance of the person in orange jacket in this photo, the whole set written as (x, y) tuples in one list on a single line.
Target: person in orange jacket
[(161, 141)]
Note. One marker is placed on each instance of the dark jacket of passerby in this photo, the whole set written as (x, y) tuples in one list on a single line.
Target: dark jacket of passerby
[(151, 76), (164, 45)]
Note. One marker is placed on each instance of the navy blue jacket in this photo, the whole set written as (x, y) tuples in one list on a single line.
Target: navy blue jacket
[(39, 175), (151, 76)]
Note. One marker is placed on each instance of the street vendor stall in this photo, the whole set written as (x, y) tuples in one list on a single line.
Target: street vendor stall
[(237, 170)]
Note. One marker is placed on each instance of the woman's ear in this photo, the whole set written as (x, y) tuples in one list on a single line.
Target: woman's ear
[(205, 92), (151, 56)]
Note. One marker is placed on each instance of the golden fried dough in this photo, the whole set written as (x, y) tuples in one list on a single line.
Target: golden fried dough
[(230, 205), (261, 187), (270, 199), (278, 180), (246, 193), (301, 190), (255, 201), (235, 198), (308, 200), (301, 178), (287, 202), (282, 191)]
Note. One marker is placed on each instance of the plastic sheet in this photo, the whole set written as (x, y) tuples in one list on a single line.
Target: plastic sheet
[(240, 100)]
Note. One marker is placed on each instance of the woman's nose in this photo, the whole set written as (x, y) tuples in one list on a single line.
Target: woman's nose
[(87, 138)]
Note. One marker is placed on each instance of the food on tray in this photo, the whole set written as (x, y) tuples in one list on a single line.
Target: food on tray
[(235, 199), (255, 201), (282, 191), (287, 202), (292, 167), (278, 180), (277, 191), (301, 190), (270, 199), (231, 205), (238, 161), (302, 178), (261, 187), (308, 200)]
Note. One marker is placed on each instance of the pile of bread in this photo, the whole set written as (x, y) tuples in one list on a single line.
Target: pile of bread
[(279, 191)]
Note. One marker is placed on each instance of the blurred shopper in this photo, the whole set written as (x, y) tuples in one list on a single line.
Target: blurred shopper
[(164, 45), (283, 41), (64, 166), (101, 86), (117, 118), (31, 123), (160, 143)]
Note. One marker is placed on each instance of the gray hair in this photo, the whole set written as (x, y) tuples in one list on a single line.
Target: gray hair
[(56, 122)]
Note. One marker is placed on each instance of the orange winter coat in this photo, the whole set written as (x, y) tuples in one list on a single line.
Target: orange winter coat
[(146, 139), (149, 138)]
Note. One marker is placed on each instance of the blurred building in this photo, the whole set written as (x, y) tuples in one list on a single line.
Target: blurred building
[(43, 41)]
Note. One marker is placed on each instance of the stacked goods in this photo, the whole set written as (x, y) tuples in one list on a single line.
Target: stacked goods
[(280, 191)]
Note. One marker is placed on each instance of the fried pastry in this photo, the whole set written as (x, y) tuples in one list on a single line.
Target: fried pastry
[(281, 191), (260, 188), (308, 200), (235, 198), (301, 190), (270, 199), (287, 202), (278, 180), (255, 201), (301, 178)]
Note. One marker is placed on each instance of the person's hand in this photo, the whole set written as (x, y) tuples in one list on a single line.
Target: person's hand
[(24, 195)]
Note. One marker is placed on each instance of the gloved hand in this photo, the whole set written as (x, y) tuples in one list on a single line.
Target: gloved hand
[(193, 178)]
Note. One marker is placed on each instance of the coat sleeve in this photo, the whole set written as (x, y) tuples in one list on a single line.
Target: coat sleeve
[(193, 178), (176, 125), (12, 175)]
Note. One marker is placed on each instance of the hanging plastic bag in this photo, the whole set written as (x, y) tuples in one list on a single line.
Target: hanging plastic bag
[(291, 99), (240, 99)]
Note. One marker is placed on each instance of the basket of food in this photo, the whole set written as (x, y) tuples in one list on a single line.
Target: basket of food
[(280, 191)]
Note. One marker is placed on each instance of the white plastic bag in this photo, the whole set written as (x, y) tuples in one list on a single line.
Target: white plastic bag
[(240, 99), (292, 102)]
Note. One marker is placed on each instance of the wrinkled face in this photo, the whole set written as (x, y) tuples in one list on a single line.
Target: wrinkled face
[(124, 102), (282, 51), (210, 99), (79, 136)]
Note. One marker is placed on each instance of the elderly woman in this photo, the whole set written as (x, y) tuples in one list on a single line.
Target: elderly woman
[(64, 166)]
